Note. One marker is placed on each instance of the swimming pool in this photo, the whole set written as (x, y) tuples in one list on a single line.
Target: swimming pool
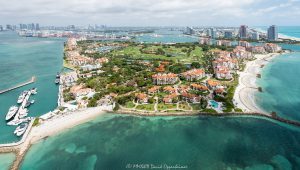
[(214, 104)]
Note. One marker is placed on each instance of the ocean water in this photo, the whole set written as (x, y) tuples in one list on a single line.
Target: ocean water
[(208, 143), (292, 31), (6, 160), (281, 86), (20, 59), (166, 36)]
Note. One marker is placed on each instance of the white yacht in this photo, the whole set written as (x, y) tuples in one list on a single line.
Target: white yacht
[(11, 112), (20, 130), (23, 113), (33, 91), (22, 97), (17, 121)]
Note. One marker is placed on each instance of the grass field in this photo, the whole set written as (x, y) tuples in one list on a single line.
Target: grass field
[(171, 53), (148, 107), (162, 106)]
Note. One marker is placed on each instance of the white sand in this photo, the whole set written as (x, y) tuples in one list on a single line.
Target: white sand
[(244, 96)]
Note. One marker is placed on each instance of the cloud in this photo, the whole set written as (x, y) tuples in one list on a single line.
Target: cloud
[(140, 12)]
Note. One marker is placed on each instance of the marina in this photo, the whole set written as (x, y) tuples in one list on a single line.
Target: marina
[(18, 114)]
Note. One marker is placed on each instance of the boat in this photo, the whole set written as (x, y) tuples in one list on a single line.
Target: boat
[(28, 103), (17, 121), (56, 81), (11, 112), (33, 91), (23, 113), (20, 130), (22, 97), (57, 76)]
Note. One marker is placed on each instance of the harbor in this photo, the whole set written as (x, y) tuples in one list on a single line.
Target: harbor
[(17, 115), (39, 58)]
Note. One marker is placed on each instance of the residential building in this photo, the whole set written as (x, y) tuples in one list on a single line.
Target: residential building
[(190, 31), (272, 33), (142, 98), (228, 34), (101, 60), (223, 43), (191, 98), (164, 78), (193, 75), (153, 90), (255, 35), (169, 89), (204, 41), (244, 44), (169, 99), (257, 49), (212, 84), (211, 32), (272, 48), (199, 87), (240, 52), (223, 72), (243, 32), (79, 91)]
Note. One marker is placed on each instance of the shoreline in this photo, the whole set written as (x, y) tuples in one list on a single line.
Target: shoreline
[(244, 96), (53, 126), (64, 122)]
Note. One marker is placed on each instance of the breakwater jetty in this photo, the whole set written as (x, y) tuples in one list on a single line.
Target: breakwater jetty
[(32, 80)]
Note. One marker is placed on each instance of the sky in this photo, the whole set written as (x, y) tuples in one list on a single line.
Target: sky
[(151, 12)]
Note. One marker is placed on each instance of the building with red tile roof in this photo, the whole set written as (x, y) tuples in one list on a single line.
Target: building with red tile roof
[(164, 78), (141, 98), (193, 75)]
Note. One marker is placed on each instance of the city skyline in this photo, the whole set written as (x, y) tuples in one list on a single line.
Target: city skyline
[(152, 13)]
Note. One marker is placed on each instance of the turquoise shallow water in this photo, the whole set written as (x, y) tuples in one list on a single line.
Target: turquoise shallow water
[(21, 58), (114, 141), (281, 85), (6, 160)]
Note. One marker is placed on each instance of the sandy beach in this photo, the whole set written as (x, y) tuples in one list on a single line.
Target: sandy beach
[(244, 96), (63, 122)]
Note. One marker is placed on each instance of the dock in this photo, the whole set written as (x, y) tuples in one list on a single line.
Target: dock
[(32, 80)]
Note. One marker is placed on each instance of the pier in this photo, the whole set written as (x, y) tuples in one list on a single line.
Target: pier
[(32, 80)]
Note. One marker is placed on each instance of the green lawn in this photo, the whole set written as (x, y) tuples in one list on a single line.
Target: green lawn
[(196, 106), (148, 107), (162, 106), (129, 104), (184, 106), (171, 53)]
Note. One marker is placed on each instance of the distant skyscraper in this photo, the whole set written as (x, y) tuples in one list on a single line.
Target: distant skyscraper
[(37, 26), (9, 27), (228, 34), (71, 27), (211, 32), (1, 28), (32, 26), (190, 31), (243, 31), (255, 36), (272, 33)]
